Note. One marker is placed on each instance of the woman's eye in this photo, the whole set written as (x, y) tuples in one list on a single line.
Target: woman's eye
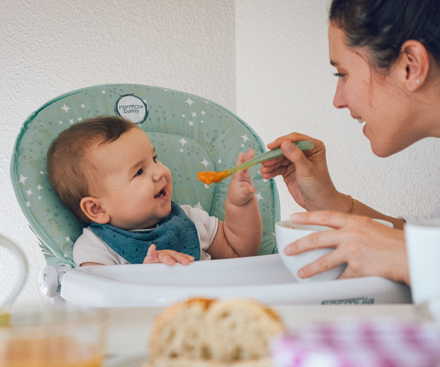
[(155, 158), (339, 75), (139, 172)]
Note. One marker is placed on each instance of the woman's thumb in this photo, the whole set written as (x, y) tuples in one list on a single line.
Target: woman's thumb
[(291, 151)]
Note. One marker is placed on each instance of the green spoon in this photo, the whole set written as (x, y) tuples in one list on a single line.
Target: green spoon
[(209, 176)]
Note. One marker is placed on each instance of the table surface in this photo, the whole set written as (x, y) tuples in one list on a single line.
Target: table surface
[(129, 328)]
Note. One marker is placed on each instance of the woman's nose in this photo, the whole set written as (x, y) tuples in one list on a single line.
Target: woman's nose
[(339, 99)]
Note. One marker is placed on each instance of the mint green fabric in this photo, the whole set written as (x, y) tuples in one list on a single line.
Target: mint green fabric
[(190, 134)]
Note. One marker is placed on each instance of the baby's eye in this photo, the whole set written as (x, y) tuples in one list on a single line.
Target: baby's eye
[(141, 170), (155, 158)]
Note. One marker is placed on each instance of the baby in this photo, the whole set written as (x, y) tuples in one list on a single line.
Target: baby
[(105, 170)]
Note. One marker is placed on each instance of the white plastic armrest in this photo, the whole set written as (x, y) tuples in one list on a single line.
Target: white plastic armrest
[(50, 279)]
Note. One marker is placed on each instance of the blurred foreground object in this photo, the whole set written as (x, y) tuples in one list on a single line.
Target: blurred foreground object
[(352, 343), (52, 338), (202, 332)]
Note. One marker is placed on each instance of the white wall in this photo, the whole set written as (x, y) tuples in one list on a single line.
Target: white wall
[(266, 59), (285, 84), (51, 47)]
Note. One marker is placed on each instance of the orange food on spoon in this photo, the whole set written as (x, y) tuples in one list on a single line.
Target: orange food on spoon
[(210, 177)]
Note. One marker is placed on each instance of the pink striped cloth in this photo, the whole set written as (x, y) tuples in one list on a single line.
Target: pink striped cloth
[(378, 343)]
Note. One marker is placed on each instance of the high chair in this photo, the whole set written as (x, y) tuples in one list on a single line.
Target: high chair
[(190, 134)]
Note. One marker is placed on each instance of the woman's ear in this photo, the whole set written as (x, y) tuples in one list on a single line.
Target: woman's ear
[(93, 209), (413, 65)]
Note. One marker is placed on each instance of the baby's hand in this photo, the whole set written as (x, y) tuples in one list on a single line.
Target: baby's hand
[(241, 189), (168, 257)]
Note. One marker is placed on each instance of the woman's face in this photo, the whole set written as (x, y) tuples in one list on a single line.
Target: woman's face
[(371, 98)]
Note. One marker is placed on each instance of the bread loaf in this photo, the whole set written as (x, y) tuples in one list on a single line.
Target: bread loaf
[(204, 332)]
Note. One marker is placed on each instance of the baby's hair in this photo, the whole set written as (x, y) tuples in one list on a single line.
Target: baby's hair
[(69, 170)]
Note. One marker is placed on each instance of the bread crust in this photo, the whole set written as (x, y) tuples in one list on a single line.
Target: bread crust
[(205, 332)]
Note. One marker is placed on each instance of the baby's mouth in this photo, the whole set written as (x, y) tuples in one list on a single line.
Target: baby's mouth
[(160, 194)]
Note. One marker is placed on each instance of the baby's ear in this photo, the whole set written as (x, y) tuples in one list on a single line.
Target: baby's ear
[(92, 208)]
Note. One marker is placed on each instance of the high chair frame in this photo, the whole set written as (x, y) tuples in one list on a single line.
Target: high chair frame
[(190, 134)]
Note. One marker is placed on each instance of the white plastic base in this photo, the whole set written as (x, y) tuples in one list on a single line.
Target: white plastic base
[(264, 278)]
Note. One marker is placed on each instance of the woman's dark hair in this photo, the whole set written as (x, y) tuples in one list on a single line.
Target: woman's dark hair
[(383, 26)]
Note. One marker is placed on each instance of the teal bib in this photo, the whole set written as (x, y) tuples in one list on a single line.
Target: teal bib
[(175, 232)]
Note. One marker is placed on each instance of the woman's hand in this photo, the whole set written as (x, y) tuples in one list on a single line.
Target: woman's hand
[(368, 247), (305, 174)]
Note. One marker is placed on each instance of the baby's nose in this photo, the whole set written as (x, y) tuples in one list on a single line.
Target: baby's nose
[(159, 172)]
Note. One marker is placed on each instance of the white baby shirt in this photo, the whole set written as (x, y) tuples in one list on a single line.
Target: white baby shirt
[(90, 248)]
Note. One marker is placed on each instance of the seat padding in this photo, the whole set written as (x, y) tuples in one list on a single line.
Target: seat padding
[(190, 134)]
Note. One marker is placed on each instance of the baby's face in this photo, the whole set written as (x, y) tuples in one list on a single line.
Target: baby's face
[(137, 189)]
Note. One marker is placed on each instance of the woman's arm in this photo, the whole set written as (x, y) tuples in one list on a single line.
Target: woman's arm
[(368, 248), (308, 180)]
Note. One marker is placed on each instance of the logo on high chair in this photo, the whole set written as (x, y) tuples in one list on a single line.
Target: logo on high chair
[(132, 108)]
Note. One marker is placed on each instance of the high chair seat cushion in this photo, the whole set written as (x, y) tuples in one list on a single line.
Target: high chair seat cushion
[(190, 134)]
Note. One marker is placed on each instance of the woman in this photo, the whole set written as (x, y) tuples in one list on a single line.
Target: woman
[(387, 56)]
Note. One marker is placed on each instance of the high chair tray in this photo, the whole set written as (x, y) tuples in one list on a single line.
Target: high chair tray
[(264, 278)]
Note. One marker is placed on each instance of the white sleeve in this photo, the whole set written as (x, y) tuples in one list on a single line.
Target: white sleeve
[(90, 248), (423, 219), (206, 228)]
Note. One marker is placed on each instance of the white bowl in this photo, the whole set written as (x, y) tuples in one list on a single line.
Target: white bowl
[(287, 232)]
